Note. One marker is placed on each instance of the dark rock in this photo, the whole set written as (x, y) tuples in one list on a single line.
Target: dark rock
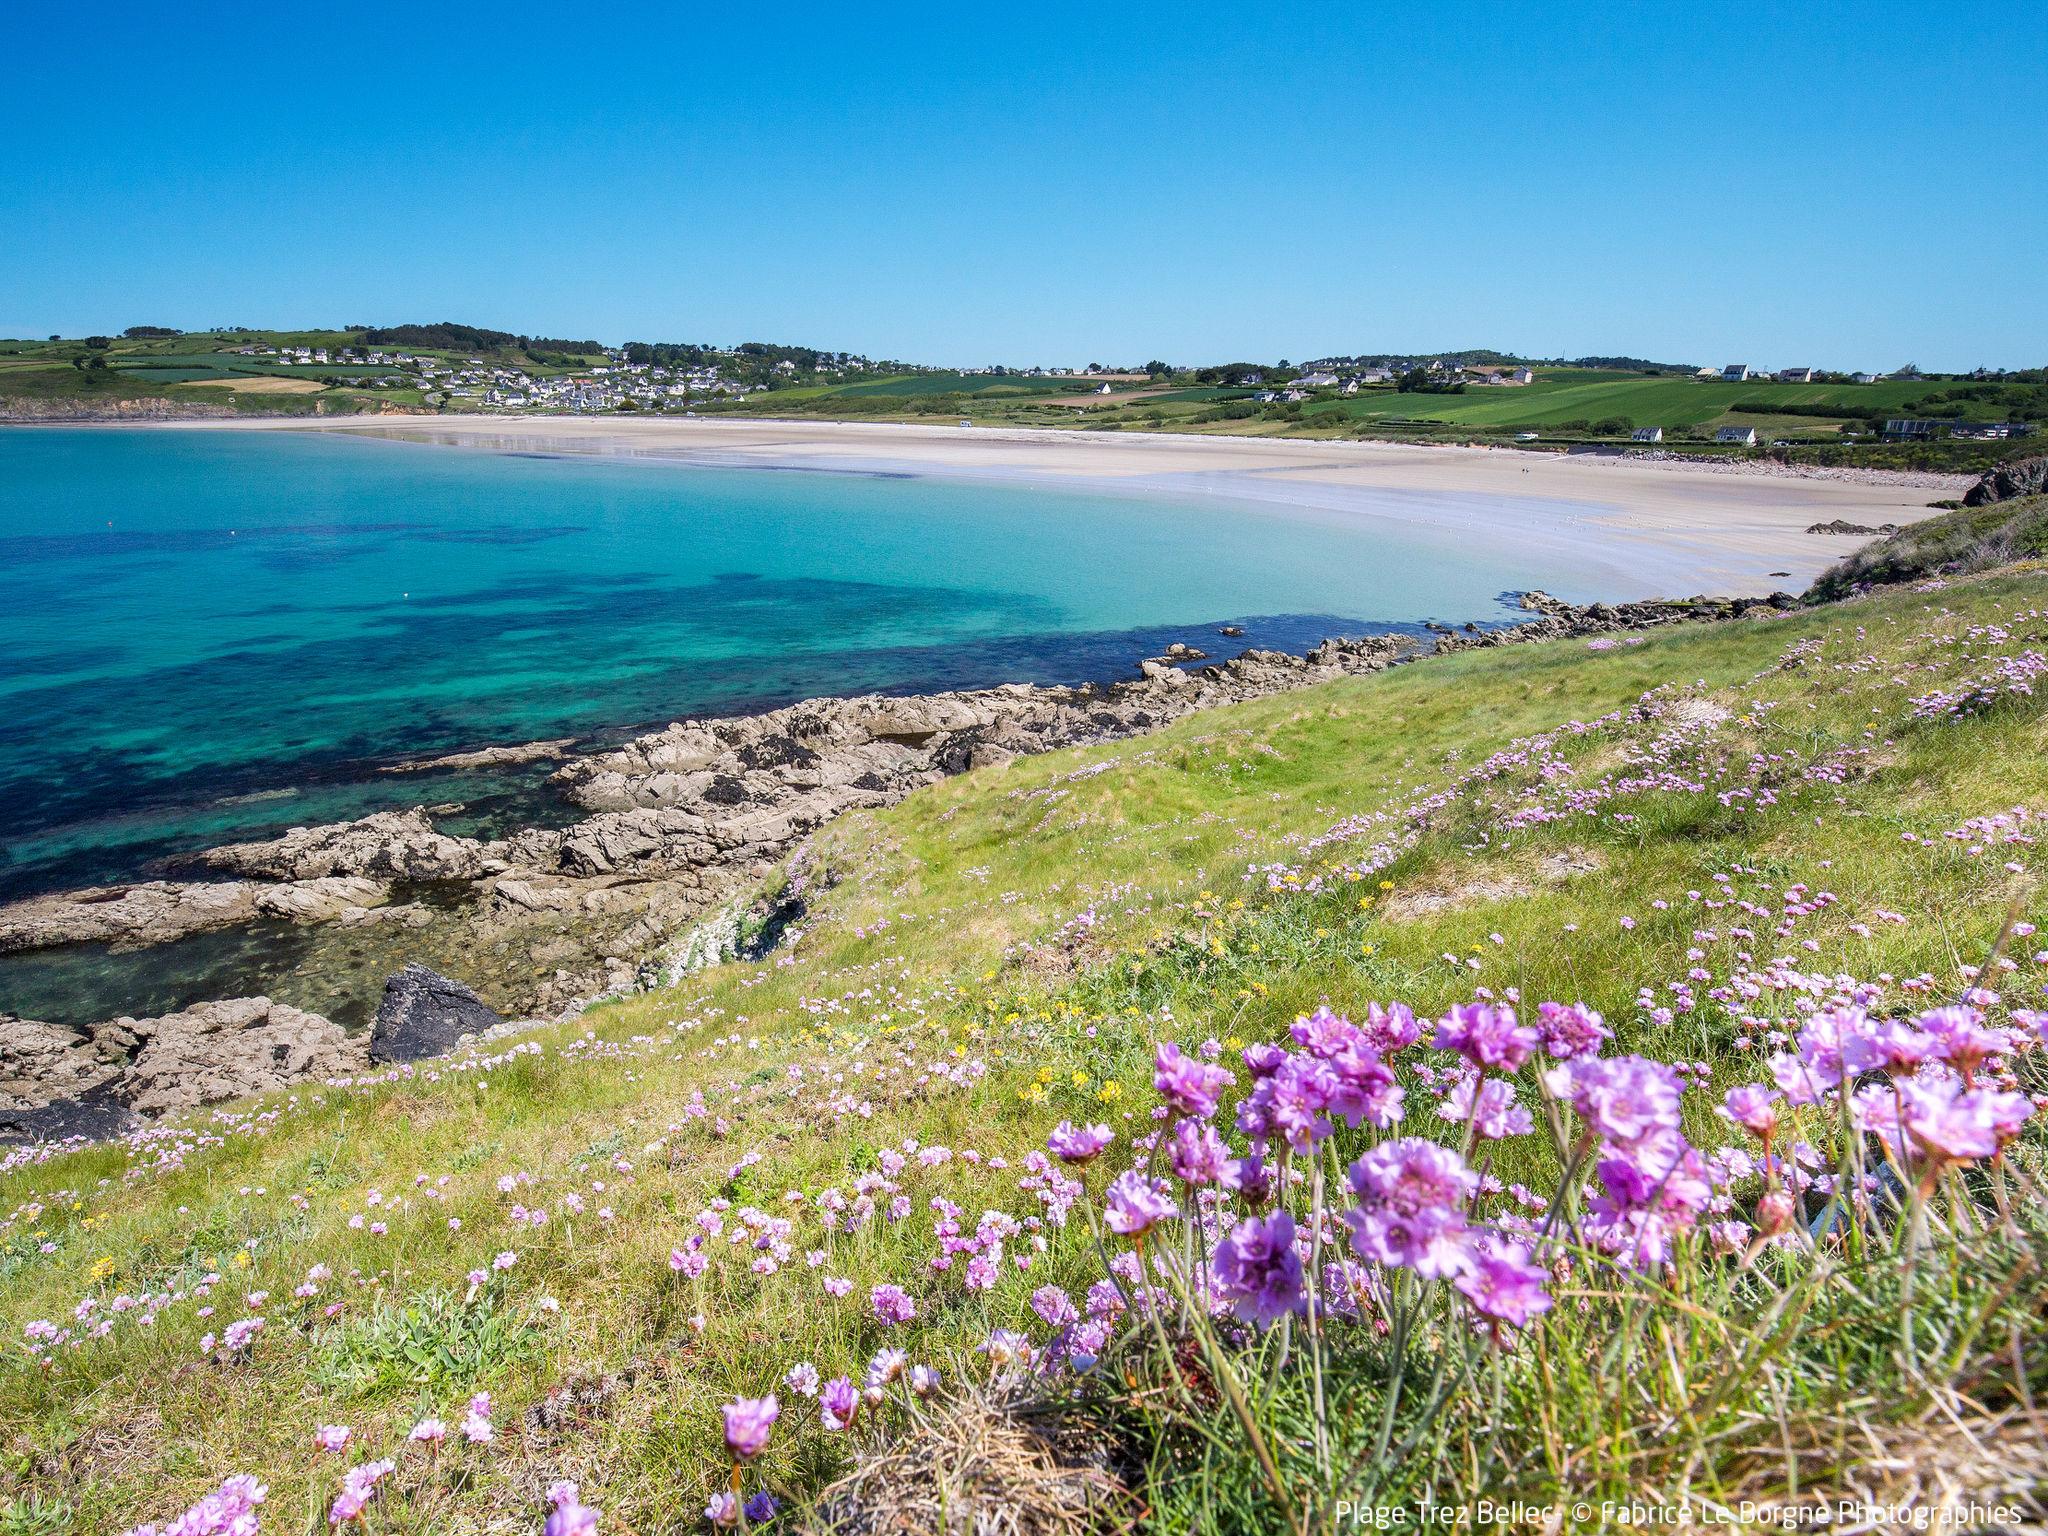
[(425, 1014), (1232, 630), (2008, 482), (724, 789), (778, 751), (95, 1115), (1858, 529)]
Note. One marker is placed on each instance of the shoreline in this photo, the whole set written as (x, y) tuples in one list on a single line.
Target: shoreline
[(678, 824), (1639, 526)]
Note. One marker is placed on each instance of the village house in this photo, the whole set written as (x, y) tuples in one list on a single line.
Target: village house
[(1744, 437), (1795, 375), (1735, 373), (1647, 435)]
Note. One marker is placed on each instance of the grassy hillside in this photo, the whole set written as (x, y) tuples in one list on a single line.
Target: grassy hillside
[(1715, 837)]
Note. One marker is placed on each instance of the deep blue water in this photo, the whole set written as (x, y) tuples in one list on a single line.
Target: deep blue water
[(210, 636)]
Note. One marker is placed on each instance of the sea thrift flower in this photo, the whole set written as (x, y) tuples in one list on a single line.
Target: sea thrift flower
[(1082, 1145), (1501, 1282), (429, 1431), (1410, 1211), (723, 1511), (1624, 1100), (1752, 1106), (1137, 1205), (1494, 1111), (892, 1304), (358, 1487), (837, 1402), (331, 1437), (229, 1510), (1198, 1153), (1188, 1083), (1571, 1029), (570, 1515), (476, 1420), (1487, 1035), (1258, 1271), (803, 1379), (749, 1421)]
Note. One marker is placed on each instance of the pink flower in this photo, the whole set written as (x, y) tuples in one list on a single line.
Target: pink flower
[(1082, 1145), (1137, 1204), (1487, 1035), (749, 1421), (1410, 1211), (1752, 1106), (838, 1401), (1257, 1270), (892, 1304), (1624, 1100), (1497, 1115), (1502, 1283), (331, 1437), (1188, 1083)]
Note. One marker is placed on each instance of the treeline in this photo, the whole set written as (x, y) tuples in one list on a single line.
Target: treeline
[(447, 336)]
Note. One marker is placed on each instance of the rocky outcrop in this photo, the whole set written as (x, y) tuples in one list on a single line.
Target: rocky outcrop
[(390, 845), (158, 911), (224, 1050), (490, 757), (1559, 620), (57, 1082), (1858, 530), (425, 1014), (40, 1062), (2009, 482)]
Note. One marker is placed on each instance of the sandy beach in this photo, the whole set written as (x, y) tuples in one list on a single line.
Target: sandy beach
[(1644, 527)]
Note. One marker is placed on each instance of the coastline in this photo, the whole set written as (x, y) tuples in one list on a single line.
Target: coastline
[(1662, 526), (679, 826)]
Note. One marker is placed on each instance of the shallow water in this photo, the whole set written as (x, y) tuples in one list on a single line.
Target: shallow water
[(213, 635)]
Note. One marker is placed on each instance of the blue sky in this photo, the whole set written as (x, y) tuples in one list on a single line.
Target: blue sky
[(1852, 187)]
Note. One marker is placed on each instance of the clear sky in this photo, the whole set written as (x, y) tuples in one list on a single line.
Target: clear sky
[(1848, 186)]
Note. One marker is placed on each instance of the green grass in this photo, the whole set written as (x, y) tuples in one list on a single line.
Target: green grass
[(948, 989)]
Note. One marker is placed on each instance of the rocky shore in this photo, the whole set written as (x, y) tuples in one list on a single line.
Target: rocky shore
[(679, 821)]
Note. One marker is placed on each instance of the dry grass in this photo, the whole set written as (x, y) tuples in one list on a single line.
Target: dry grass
[(980, 1466)]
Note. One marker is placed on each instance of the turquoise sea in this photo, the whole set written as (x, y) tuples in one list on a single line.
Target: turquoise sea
[(209, 635)]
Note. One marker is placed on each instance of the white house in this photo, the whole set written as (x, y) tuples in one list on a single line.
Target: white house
[(1795, 375), (1523, 376), (1735, 373), (1865, 378), (1647, 435), (1316, 380), (1102, 389), (1744, 437)]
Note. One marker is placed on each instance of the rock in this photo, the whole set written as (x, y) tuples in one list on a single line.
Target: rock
[(41, 1062), (1856, 529), (390, 845), (1180, 651), (489, 757), (150, 912), (2008, 482), (95, 1115), (425, 1014), (1234, 631), (327, 899), (223, 1050)]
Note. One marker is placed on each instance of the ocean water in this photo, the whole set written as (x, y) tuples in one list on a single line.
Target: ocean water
[(216, 635)]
